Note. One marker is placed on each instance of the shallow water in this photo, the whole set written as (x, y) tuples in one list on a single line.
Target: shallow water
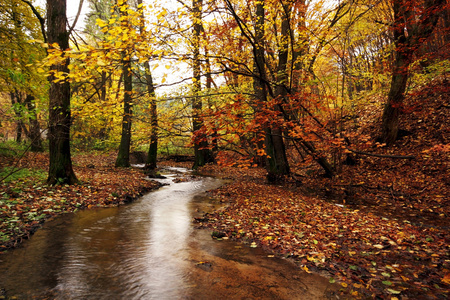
[(149, 250)]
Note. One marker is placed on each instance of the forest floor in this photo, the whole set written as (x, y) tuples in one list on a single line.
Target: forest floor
[(380, 228)]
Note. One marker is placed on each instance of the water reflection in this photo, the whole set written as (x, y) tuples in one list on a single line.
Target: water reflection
[(145, 250), (136, 251)]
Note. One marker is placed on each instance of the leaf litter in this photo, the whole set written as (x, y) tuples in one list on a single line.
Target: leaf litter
[(380, 228)]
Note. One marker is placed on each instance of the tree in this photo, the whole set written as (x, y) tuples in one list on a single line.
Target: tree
[(23, 83), (123, 157), (201, 149), (24, 104), (60, 168), (414, 22), (152, 155), (277, 160)]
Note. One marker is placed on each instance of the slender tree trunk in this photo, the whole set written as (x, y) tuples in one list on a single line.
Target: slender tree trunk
[(390, 119), (209, 82), (123, 157), (276, 165), (299, 50), (34, 133), (281, 90), (153, 149), (17, 110), (201, 149), (394, 103), (152, 156), (60, 169)]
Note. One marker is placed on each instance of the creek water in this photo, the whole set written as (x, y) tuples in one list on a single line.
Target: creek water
[(149, 249)]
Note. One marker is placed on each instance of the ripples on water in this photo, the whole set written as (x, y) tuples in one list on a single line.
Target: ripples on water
[(144, 250), (139, 250)]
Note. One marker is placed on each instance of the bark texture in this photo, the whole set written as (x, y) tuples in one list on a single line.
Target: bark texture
[(60, 169)]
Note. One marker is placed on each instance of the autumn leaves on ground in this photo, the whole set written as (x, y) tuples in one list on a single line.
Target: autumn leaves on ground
[(378, 229)]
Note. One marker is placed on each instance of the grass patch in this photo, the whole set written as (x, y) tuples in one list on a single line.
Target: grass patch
[(21, 174), (12, 148)]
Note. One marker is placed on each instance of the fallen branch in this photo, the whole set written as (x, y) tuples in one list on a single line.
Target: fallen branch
[(382, 155)]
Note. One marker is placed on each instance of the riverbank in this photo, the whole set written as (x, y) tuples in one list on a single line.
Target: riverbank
[(370, 253), (380, 227), (372, 256), (27, 202)]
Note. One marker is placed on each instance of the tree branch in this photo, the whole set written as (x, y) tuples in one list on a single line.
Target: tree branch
[(382, 155), (40, 18)]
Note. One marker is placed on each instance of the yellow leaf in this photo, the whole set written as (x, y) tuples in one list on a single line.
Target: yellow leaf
[(305, 268), (100, 23), (344, 284), (100, 62)]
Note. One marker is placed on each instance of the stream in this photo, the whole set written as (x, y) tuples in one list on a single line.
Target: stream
[(149, 249)]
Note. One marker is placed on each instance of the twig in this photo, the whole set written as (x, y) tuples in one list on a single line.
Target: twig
[(382, 155)]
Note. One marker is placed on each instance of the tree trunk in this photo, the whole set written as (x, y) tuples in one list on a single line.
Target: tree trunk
[(153, 149), (34, 133), (394, 102), (280, 165), (152, 156), (410, 31), (201, 149), (15, 102), (60, 169), (123, 157), (277, 166), (390, 119), (209, 82)]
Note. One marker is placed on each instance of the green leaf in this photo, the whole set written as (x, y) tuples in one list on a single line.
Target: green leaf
[(385, 274), (354, 268), (387, 282), (332, 280)]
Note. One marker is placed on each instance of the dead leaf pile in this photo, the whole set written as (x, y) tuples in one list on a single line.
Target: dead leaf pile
[(380, 227), (370, 255)]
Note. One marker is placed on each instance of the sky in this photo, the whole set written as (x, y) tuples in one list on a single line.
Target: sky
[(71, 10), (158, 72)]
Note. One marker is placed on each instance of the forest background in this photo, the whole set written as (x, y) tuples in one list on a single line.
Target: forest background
[(348, 98)]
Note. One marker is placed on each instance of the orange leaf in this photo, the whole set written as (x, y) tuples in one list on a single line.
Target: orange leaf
[(446, 278)]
